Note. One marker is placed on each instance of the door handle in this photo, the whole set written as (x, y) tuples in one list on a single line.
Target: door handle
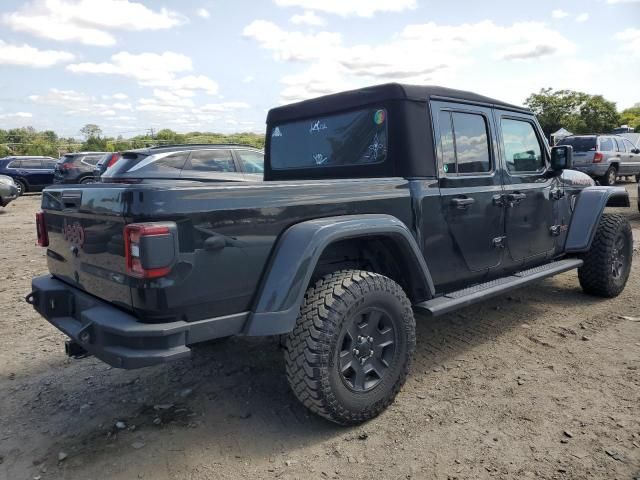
[(462, 203), (515, 198)]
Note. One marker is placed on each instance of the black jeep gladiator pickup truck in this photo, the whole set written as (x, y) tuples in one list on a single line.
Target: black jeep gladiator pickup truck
[(377, 204)]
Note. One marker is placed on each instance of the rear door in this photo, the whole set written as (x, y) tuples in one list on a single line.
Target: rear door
[(622, 156), (633, 159), (610, 155), (529, 191), (35, 172), (49, 165), (470, 187)]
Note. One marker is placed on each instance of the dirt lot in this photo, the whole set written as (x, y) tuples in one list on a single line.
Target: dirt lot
[(544, 383)]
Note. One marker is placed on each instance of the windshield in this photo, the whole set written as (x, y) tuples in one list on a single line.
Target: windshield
[(580, 144), (353, 138)]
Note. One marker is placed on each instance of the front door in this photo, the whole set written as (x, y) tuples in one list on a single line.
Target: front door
[(530, 192), (470, 188)]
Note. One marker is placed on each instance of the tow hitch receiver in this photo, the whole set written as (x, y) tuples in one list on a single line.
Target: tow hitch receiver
[(75, 350)]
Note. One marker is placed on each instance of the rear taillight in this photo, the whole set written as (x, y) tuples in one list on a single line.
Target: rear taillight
[(41, 230), (597, 157), (149, 249), (114, 158)]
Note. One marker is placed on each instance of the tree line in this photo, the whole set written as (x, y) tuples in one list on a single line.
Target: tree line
[(578, 112), (29, 141)]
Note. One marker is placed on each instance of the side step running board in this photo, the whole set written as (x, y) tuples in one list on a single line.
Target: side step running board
[(461, 298)]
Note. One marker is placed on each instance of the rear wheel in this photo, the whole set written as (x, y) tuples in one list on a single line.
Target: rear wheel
[(611, 176), (608, 262), (349, 353), (86, 180), (22, 187)]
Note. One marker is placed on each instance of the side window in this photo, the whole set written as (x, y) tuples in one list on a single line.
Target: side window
[(464, 143), (522, 149), (15, 164), (629, 145), (32, 163), (171, 164), (606, 145), (91, 159), (619, 145), (212, 161), (471, 143), (251, 161), (49, 164)]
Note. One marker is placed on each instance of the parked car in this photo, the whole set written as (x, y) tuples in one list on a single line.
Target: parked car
[(207, 162), (76, 167), (30, 173), (604, 157), (376, 203), (107, 161), (8, 190)]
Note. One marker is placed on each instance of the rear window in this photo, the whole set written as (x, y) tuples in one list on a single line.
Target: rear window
[(580, 144), (347, 139), (31, 163), (606, 144), (212, 161), (91, 159), (141, 164)]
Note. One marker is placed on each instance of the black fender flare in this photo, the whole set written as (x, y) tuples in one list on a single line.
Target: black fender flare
[(295, 257), (587, 212)]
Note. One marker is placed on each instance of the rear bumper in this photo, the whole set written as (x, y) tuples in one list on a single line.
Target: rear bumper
[(117, 337), (593, 169)]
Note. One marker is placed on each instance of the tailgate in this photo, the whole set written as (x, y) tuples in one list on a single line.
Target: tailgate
[(86, 245), (583, 158)]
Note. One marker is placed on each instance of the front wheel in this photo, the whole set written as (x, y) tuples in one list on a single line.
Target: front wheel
[(349, 353), (608, 262)]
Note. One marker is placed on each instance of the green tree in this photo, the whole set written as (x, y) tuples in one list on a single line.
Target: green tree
[(578, 112), (90, 130), (631, 117)]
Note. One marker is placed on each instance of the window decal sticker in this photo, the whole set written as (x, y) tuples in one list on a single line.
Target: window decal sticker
[(375, 148), (317, 126), (276, 132), (320, 158), (379, 117)]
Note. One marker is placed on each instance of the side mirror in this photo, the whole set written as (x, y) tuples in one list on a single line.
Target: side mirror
[(635, 150), (561, 157)]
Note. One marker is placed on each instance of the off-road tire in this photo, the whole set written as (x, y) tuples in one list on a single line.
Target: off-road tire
[(330, 308), (612, 239), (610, 177)]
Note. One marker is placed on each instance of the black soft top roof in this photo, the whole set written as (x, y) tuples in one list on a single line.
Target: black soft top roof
[(378, 93)]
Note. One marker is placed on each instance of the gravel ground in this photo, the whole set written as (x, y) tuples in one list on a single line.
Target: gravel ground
[(543, 383)]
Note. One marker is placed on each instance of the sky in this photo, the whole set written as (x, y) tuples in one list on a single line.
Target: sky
[(217, 65)]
